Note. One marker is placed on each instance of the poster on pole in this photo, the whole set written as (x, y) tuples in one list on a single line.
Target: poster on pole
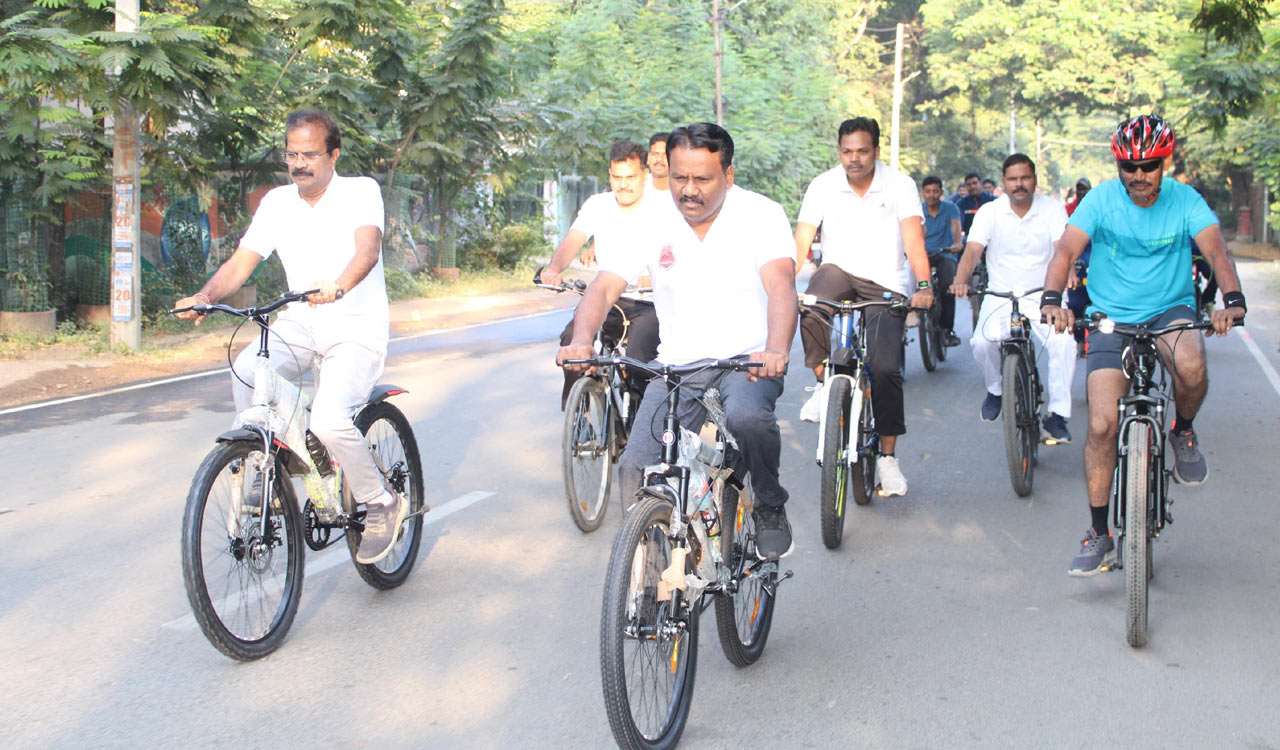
[(122, 286)]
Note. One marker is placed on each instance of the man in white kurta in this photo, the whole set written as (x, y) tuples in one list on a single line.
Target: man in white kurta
[(1018, 231)]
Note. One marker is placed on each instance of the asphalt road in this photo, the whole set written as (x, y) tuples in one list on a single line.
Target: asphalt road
[(945, 620)]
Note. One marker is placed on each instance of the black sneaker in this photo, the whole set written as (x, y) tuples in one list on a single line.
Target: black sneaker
[(773, 533), (1189, 466), (991, 408), (1054, 430), (952, 339), (1095, 555)]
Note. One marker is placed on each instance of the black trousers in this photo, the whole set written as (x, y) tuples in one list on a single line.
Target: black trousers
[(883, 344), (642, 339), (946, 277)]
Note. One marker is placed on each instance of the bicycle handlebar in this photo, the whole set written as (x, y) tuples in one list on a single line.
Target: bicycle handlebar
[(1011, 295), (249, 312), (740, 364), (1142, 330)]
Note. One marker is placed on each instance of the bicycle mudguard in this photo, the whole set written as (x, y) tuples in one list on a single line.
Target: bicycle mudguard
[(384, 391), (293, 463)]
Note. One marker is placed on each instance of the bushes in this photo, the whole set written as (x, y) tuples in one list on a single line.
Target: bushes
[(507, 248)]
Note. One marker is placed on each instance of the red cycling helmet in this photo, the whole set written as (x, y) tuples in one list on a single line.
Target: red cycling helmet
[(1143, 137)]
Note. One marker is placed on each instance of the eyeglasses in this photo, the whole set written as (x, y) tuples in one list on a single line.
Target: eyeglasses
[(1146, 166), (291, 157)]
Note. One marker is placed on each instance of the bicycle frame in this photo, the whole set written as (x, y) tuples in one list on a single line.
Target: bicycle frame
[(1148, 404)]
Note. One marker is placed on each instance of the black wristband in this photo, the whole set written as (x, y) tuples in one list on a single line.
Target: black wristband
[(1234, 299), (1051, 298)]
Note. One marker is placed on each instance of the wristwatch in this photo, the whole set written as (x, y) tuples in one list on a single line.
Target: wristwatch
[(922, 285)]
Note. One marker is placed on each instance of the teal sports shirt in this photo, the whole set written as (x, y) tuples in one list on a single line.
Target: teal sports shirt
[(1141, 261)]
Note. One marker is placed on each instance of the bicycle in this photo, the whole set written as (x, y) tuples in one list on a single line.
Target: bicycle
[(597, 422), (847, 449), (688, 542), (242, 530), (933, 339), (978, 284), (1140, 473), (1023, 402)]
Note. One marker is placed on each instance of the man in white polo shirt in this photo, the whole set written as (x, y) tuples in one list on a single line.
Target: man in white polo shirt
[(724, 285), (1018, 230), (328, 232), (872, 231), (617, 220)]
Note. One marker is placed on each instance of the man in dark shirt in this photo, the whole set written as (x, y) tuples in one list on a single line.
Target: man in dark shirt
[(941, 242), (970, 203)]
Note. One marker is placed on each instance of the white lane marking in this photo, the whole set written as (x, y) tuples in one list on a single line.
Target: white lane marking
[(1267, 369), (338, 554), (207, 373)]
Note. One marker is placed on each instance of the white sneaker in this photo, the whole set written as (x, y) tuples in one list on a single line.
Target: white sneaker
[(891, 480), (812, 409)]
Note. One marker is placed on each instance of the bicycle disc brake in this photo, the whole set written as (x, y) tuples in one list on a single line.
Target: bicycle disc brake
[(317, 535)]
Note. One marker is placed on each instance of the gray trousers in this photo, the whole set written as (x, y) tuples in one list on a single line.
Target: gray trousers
[(749, 410)]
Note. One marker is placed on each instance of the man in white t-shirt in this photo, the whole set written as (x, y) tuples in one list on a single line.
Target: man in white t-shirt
[(723, 285), (657, 163), (617, 220), (872, 232), (1018, 231), (328, 232)]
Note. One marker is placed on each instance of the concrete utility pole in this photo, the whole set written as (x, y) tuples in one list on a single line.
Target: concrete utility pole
[(1013, 128), (717, 28), (897, 98), (126, 212)]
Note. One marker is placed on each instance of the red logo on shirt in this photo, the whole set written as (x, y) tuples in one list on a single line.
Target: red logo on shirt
[(666, 259)]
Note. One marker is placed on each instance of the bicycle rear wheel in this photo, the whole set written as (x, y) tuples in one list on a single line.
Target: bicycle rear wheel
[(835, 462), (1018, 412), (648, 652), (243, 584), (586, 453), (868, 445), (743, 618), (1136, 542), (391, 440)]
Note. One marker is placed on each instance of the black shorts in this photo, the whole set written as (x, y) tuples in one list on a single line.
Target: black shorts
[(1104, 351)]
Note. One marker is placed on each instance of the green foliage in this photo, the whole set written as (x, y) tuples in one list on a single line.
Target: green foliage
[(506, 248)]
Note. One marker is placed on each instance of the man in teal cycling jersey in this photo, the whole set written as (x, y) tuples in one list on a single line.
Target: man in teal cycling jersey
[(1141, 226)]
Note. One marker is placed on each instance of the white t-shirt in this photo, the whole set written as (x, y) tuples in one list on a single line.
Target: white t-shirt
[(862, 235), (708, 293), (316, 243), (622, 233), (1018, 247)]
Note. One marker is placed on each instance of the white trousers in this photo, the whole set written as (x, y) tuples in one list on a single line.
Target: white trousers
[(993, 327), (348, 370)]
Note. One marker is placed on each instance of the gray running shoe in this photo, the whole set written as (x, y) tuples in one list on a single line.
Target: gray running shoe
[(991, 408), (1189, 466), (773, 533), (1094, 557), (1055, 429), (382, 521)]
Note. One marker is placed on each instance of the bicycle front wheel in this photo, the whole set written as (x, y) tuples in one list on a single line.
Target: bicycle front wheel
[(868, 445), (1136, 542), (835, 462), (243, 574), (743, 617), (586, 453), (648, 646), (395, 451), (928, 340), (1020, 432)]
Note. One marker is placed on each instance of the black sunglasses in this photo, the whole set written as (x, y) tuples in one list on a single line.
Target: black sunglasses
[(1146, 166)]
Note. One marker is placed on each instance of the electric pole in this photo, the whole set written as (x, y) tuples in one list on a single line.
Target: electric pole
[(897, 98), (126, 211)]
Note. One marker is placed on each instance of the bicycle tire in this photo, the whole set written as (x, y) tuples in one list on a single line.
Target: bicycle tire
[(1136, 541), (928, 341), (835, 462), (247, 631), (744, 617), (939, 335), (1016, 411), (397, 448), (868, 444), (641, 550), (587, 479)]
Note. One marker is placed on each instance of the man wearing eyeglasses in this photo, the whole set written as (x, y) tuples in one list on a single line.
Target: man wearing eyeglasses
[(1141, 226), (327, 230)]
